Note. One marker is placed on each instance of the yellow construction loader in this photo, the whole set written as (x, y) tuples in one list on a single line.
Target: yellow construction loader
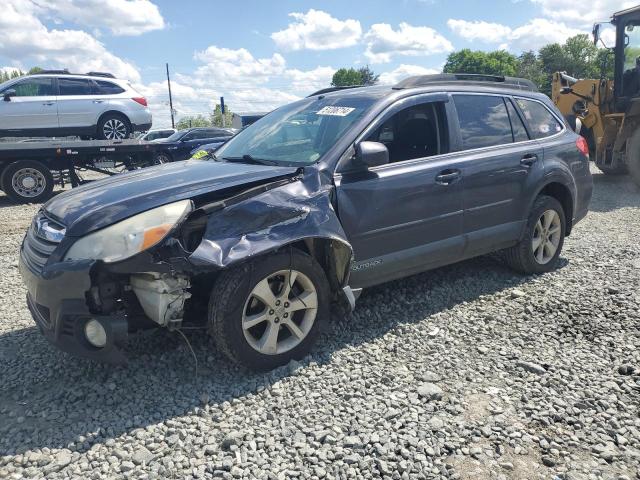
[(607, 111)]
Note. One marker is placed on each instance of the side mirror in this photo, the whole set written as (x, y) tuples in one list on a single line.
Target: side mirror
[(372, 154), (596, 33), (8, 94), (566, 90)]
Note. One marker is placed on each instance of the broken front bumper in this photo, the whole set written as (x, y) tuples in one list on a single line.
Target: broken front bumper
[(56, 297)]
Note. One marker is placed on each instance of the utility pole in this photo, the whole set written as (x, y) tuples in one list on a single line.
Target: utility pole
[(222, 110), (173, 125)]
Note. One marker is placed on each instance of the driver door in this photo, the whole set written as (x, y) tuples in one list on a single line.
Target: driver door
[(33, 107), (406, 216)]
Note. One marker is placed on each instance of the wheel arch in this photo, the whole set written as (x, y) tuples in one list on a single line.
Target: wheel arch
[(114, 112), (560, 190)]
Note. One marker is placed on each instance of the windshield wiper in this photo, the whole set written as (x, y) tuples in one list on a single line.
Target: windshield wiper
[(250, 159)]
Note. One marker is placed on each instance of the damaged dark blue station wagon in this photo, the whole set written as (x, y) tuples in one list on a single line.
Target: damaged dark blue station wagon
[(342, 190)]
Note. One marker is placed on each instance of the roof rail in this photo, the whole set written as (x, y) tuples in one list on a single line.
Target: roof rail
[(466, 79), (333, 89), (100, 74), (52, 72)]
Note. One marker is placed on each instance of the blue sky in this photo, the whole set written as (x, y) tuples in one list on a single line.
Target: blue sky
[(261, 54)]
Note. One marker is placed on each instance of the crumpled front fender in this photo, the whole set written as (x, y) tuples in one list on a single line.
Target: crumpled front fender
[(299, 210)]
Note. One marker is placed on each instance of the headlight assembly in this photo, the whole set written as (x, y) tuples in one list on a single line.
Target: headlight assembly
[(128, 237)]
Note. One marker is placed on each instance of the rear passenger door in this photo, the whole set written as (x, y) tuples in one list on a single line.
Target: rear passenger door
[(502, 166), (405, 216), (78, 105)]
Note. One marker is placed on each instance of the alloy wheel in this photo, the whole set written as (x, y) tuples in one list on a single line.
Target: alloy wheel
[(280, 312), (546, 236), (28, 182), (114, 129)]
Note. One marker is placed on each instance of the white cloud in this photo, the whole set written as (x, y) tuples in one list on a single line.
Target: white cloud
[(121, 17), (530, 36), (479, 30), (404, 71), (309, 80), (26, 40), (229, 68), (583, 13), (383, 42), (317, 30)]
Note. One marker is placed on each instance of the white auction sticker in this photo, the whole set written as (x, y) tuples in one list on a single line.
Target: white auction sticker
[(335, 111)]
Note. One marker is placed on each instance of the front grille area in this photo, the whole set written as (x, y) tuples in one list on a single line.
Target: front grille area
[(36, 248)]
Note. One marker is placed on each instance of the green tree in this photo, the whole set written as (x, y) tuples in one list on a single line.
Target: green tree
[(346, 77), (10, 75), (530, 66), (216, 116), (193, 121), (367, 76), (498, 62)]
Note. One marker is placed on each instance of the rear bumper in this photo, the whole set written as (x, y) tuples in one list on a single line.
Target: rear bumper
[(141, 127), (57, 301)]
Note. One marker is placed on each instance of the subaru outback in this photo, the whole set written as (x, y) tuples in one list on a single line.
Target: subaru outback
[(294, 216)]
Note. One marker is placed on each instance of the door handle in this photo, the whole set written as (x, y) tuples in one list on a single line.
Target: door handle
[(447, 177), (529, 159), (48, 103), (98, 101)]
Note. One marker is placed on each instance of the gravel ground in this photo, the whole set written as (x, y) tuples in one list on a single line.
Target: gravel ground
[(467, 372)]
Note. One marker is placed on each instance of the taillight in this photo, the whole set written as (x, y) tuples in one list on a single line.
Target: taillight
[(141, 100), (583, 146)]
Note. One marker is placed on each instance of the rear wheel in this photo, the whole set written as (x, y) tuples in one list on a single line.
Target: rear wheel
[(269, 311), (114, 126), (27, 181), (539, 249), (162, 157)]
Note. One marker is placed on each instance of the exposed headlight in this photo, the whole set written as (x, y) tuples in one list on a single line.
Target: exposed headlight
[(128, 237), (95, 333)]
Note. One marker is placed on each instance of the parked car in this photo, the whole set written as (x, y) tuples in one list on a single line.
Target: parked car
[(303, 209), (180, 145), (57, 103), (156, 134)]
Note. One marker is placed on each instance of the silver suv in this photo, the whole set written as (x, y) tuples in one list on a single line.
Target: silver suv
[(57, 103)]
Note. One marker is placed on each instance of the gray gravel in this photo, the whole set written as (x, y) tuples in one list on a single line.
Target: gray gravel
[(468, 372)]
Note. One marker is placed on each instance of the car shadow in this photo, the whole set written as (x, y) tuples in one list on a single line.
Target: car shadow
[(50, 399)]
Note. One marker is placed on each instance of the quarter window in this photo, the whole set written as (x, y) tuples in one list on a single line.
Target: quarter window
[(33, 87), (484, 121), (541, 121), (108, 88), (75, 86)]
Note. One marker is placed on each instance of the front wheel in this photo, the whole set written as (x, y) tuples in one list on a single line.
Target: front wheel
[(27, 181), (267, 312), (539, 249)]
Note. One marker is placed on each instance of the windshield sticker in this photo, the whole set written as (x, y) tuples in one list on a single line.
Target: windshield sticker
[(335, 111)]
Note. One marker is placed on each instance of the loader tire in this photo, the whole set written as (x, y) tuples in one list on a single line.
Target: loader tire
[(633, 157)]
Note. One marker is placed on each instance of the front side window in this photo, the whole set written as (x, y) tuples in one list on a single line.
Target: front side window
[(416, 132), (299, 133), (75, 86), (483, 120), (33, 87), (542, 122)]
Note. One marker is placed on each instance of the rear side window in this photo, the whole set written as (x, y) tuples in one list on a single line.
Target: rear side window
[(541, 121), (108, 88), (75, 86), (519, 131), (484, 121)]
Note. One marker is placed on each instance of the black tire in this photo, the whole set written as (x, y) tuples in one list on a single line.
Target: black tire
[(113, 122), (162, 157), (231, 295), (521, 256), (14, 181)]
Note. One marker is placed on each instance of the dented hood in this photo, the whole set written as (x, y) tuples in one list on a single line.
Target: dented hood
[(104, 202)]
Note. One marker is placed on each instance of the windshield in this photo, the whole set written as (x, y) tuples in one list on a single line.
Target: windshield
[(176, 136), (299, 133)]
